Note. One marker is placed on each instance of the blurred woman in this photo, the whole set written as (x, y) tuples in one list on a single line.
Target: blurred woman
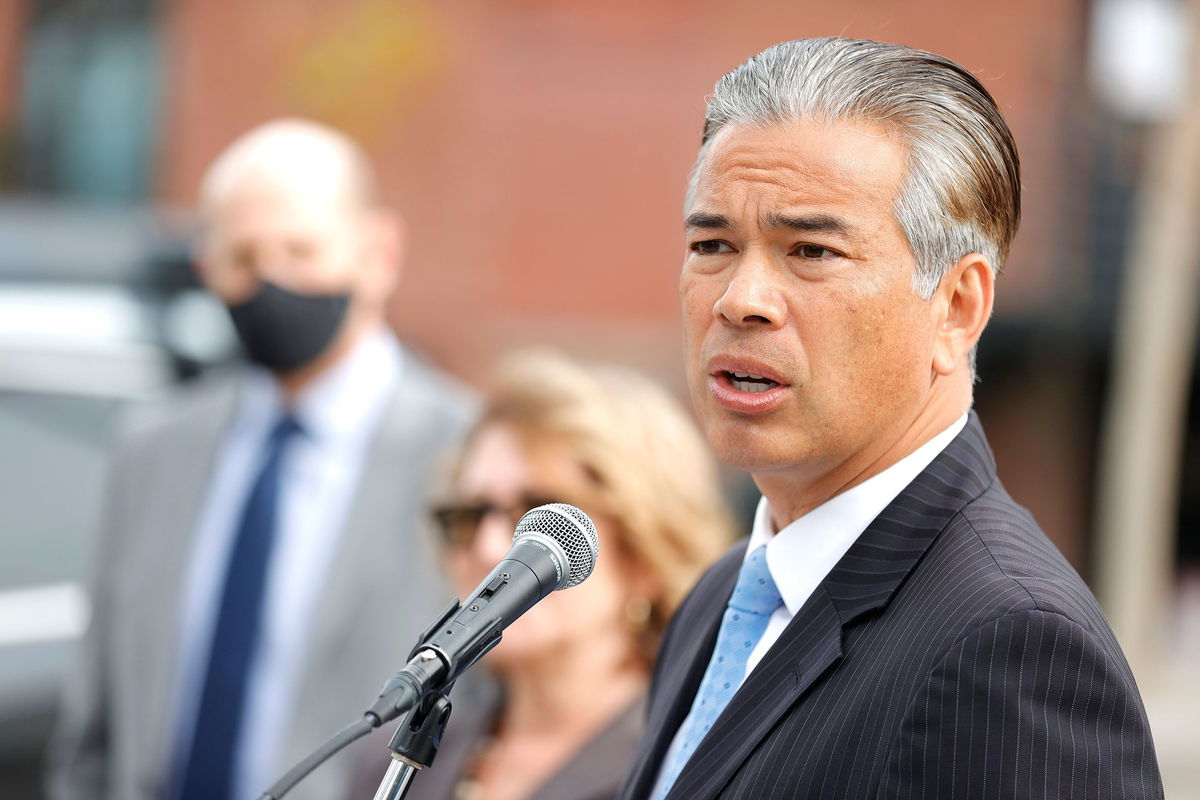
[(571, 674)]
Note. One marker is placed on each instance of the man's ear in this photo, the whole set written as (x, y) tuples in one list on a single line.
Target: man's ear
[(962, 305), (386, 235)]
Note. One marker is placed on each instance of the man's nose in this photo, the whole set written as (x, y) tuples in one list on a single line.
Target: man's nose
[(752, 297)]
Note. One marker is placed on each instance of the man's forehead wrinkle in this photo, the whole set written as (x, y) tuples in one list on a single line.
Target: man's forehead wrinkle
[(790, 177), (798, 181), (734, 192), (763, 166), (794, 201), (787, 156)]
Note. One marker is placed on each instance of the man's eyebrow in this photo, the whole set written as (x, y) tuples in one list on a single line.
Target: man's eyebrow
[(817, 223), (702, 219)]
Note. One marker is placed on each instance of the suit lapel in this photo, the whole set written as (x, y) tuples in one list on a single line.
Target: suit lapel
[(810, 644), (879, 561), (380, 575), (185, 452), (362, 561), (863, 581), (682, 665)]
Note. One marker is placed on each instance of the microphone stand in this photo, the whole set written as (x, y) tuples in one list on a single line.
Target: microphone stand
[(414, 744), (419, 734), (423, 714)]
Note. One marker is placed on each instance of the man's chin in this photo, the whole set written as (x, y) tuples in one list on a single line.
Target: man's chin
[(751, 451)]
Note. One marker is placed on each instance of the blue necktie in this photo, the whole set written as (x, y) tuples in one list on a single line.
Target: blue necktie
[(755, 598), (210, 764)]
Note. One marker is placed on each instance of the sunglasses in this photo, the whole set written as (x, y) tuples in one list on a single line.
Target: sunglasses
[(459, 523)]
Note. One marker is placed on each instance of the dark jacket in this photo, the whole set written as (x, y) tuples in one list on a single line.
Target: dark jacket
[(951, 653)]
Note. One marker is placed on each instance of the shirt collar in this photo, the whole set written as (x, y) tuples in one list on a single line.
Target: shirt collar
[(339, 404), (820, 538)]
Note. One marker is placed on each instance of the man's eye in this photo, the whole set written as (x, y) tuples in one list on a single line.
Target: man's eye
[(710, 247), (814, 252), (242, 256), (299, 250)]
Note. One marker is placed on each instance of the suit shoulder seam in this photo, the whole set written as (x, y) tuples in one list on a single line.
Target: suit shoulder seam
[(999, 567)]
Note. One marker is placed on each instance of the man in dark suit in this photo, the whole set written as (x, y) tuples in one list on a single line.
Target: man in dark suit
[(897, 626)]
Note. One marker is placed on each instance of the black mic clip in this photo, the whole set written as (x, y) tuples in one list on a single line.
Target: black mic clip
[(461, 658), (419, 733), (433, 668)]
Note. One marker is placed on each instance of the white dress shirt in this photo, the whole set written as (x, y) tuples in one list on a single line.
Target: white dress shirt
[(338, 414), (803, 553)]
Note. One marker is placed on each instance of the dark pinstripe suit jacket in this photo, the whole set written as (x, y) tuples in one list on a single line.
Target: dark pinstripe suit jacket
[(952, 653)]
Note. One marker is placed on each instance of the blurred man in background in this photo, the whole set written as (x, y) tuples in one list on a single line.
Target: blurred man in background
[(259, 572)]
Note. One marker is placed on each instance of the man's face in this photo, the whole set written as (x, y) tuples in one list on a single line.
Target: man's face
[(291, 235), (798, 275)]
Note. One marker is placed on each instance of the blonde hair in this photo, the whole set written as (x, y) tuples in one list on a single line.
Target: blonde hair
[(653, 474)]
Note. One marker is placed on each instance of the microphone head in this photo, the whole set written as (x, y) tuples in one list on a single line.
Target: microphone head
[(572, 530)]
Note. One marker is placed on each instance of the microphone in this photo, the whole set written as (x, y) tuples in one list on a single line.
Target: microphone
[(554, 547)]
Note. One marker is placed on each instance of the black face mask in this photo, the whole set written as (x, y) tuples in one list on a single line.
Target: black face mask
[(283, 330)]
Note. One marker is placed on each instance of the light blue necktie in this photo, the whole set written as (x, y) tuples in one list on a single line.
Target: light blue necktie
[(755, 598)]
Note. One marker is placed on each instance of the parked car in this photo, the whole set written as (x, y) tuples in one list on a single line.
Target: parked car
[(97, 311)]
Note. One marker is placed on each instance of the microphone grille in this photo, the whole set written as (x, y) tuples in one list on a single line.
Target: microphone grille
[(572, 530)]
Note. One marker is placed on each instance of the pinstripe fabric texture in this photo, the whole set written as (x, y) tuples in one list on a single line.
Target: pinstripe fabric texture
[(952, 653)]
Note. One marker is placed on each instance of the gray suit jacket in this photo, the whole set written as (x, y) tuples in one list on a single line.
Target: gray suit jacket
[(115, 734), (951, 653)]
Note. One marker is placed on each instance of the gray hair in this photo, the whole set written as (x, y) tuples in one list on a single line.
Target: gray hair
[(962, 191)]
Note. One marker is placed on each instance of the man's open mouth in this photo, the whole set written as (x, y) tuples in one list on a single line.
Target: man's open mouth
[(749, 382)]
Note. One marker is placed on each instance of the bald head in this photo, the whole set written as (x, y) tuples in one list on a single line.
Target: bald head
[(290, 204), (293, 155)]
